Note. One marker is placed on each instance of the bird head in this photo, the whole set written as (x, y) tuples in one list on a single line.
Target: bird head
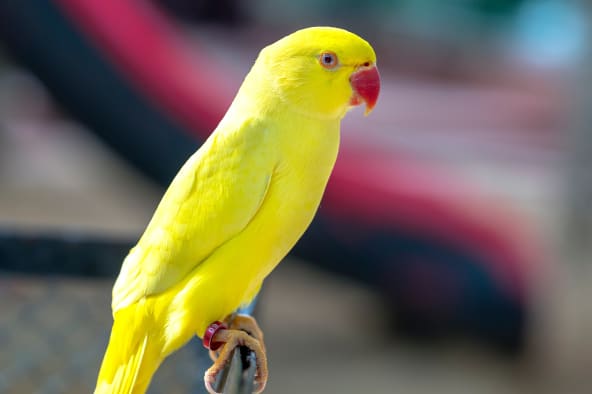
[(322, 71)]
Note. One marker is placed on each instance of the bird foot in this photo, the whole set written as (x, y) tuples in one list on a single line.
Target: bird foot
[(223, 338)]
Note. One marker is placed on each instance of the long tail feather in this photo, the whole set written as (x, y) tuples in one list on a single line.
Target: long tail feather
[(132, 356)]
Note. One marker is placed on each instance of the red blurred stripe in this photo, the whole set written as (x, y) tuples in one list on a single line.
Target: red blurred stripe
[(151, 53), (384, 191)]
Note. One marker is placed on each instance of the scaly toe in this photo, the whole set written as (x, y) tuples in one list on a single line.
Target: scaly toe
[(230, 339)]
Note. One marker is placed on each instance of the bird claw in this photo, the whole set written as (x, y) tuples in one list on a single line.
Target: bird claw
[(236, 322), (243, 331)]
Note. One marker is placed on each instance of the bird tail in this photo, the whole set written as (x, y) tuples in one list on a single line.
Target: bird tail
[(132, 356)]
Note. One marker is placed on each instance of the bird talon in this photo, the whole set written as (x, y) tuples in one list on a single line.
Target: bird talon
[(247, 324), (229, 339), (209, 380)]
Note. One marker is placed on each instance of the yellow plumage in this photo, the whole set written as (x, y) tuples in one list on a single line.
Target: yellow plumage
[(236, 207)]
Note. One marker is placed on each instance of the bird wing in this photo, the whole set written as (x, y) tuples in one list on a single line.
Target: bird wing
[(213, 198)]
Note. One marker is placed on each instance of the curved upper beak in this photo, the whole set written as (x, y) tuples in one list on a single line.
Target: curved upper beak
[(365, 82)]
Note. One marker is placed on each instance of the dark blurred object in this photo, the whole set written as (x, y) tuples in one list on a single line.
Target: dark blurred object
[(433, 289), (71, 254), (227, 12)]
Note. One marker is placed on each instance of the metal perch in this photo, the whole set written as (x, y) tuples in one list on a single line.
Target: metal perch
[(239, 375)]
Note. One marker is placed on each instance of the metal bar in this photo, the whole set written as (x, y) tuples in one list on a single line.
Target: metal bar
[(239, 375), (61, 253)]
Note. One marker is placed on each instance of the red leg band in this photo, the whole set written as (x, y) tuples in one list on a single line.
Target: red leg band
[(209, 334)]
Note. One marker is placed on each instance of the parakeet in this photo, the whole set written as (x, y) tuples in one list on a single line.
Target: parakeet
[(236, 207)]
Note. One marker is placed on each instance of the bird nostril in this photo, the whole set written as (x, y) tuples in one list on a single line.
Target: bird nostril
[(367, 64)]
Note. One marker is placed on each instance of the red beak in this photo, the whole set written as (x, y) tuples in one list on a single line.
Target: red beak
[(365, 82)]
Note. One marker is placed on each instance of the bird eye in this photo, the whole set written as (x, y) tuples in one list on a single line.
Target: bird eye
[(328, 60)]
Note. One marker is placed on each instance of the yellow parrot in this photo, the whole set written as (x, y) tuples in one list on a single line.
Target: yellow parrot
[(236, 208)]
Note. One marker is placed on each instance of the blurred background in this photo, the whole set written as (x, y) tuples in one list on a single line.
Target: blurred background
[(452, 250)]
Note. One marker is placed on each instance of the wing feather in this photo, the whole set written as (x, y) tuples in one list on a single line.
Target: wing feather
[(213, 197)]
